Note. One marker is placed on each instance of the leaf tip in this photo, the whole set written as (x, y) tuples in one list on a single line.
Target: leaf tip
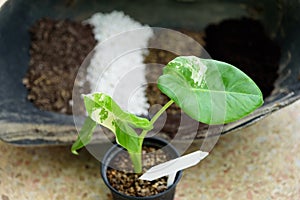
[(75, 152)]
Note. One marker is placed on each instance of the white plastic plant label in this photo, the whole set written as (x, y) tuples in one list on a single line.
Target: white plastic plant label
[(171, 167)]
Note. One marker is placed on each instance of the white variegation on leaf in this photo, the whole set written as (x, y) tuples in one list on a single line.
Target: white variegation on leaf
[(195, 66), (209, 91)]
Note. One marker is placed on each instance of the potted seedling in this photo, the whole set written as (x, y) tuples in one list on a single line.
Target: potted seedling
[(207, 90)]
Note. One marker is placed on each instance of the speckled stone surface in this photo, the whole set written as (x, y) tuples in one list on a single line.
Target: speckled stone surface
[(258, 162)]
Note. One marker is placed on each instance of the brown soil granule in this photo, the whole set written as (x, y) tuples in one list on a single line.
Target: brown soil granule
[(58, 47), (127, 182)]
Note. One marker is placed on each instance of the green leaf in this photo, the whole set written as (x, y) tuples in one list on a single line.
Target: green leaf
[(209, 91), (85, 135), (127, 135), (106, 112)]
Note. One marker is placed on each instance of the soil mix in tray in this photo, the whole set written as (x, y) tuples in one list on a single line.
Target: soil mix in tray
[(127, 182), (58, 47)]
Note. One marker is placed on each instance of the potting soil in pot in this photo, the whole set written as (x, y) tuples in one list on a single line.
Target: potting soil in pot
[(127, 182)]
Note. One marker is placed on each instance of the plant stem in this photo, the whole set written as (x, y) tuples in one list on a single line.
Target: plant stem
[(136, 159), (156, 116)]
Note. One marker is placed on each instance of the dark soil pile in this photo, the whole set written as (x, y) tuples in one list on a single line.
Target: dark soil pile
[(58, 47), (244, 44), (127, 182)]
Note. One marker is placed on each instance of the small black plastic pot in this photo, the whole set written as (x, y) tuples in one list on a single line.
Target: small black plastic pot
[(152, 142)]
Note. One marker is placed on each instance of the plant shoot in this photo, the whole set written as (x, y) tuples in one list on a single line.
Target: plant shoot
[(207, 90)]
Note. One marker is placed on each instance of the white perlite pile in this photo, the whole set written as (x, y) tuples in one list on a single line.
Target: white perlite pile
[(117, 67)]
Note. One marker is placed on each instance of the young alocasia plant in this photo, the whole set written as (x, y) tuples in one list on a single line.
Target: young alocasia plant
[(207, 90)]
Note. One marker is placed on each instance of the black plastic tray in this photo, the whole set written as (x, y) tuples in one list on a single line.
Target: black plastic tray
[(22, 123)]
